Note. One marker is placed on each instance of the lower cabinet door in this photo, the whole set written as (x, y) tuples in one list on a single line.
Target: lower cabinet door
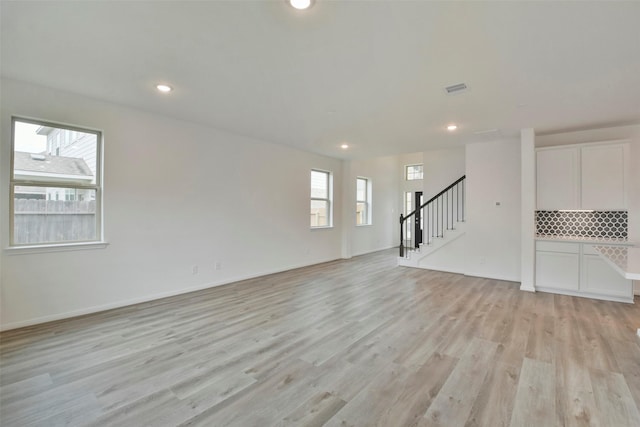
[(598, 277), (558, 270)]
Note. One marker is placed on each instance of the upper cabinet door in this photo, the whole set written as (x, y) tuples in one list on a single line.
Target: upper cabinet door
[(558, 179), (603, 177)]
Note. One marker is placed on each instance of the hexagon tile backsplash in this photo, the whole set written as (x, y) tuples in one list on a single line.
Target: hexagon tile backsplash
[(609, 224)]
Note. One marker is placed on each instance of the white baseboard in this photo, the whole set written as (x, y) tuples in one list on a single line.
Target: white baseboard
[(585, 295), (446, 270), (494, 277), (147, 298), (373, 250)]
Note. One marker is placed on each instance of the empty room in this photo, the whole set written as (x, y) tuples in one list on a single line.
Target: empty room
[(319, 213)]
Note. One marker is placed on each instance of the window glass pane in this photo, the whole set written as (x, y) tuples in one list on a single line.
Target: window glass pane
[(319, 213), (414, 172), (319, 185), (361, 213), (361, 190), (39, 154), (53, 214)]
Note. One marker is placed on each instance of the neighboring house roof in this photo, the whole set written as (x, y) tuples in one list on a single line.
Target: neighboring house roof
[(47, 164)]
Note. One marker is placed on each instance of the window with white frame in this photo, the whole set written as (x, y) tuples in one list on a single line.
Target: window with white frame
[(413, 172), (408, 208), (321, 198), (56, 192), (363, 201)]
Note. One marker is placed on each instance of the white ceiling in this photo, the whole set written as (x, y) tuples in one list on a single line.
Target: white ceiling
[(369, 73)]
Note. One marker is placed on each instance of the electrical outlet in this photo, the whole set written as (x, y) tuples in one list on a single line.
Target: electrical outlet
[(194, 270), (638, 332), (218, 265)]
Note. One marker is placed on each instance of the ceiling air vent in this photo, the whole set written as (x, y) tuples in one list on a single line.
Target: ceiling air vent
[(460, 87)]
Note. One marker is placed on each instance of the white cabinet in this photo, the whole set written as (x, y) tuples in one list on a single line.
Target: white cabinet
[(558, 265), (558, 175), (577, 269), (586, 176), (603, 182), (598, 277)]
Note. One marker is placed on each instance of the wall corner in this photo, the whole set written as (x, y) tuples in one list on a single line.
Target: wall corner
[(528, 206)]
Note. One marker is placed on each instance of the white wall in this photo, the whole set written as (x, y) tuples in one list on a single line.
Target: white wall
[(441, 168), (493, 232), (384, 231), (176, 194), (527, 209)]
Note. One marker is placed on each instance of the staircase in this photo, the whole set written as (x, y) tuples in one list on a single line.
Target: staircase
[(443, 222)]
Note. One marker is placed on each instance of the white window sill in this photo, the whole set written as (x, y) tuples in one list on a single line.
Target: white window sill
[(328, 227), (61, 247), (364, 225)]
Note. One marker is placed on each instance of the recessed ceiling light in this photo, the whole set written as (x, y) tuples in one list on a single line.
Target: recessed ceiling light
[(164, 88), (300, 4), (344, 146), (452, 127)]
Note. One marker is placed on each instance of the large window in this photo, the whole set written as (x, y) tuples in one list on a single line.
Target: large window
[(413, 172), (55, 184), (321, 195), (363, 201)]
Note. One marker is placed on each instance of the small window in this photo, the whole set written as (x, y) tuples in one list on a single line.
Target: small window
[(55, 187), (413, 172), (321, 197), (363, 201)]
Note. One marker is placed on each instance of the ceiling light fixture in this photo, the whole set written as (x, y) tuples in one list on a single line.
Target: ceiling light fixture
[(164, 88), (344, 146), (300, 4), (452, 127)]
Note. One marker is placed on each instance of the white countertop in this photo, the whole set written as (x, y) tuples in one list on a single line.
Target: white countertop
[(582, 239), (626, 260)]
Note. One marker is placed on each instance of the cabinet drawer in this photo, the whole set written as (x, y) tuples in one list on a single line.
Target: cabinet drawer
[(562, 247)]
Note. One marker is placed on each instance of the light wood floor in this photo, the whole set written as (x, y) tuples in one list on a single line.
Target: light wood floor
[(356, 342)]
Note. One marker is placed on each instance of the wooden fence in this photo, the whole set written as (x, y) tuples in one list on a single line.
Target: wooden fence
[(38, 221)]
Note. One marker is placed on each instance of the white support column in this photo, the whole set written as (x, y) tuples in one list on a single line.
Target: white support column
[(528, 207)]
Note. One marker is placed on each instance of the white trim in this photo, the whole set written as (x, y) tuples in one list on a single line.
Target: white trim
[(406, 175), (494, 277), (584, 144), (366, 201), (57, 247), (61, 183), (446, 270), (328, 200), (125, 303), (56, 176), (585, 295), (373, 250)]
